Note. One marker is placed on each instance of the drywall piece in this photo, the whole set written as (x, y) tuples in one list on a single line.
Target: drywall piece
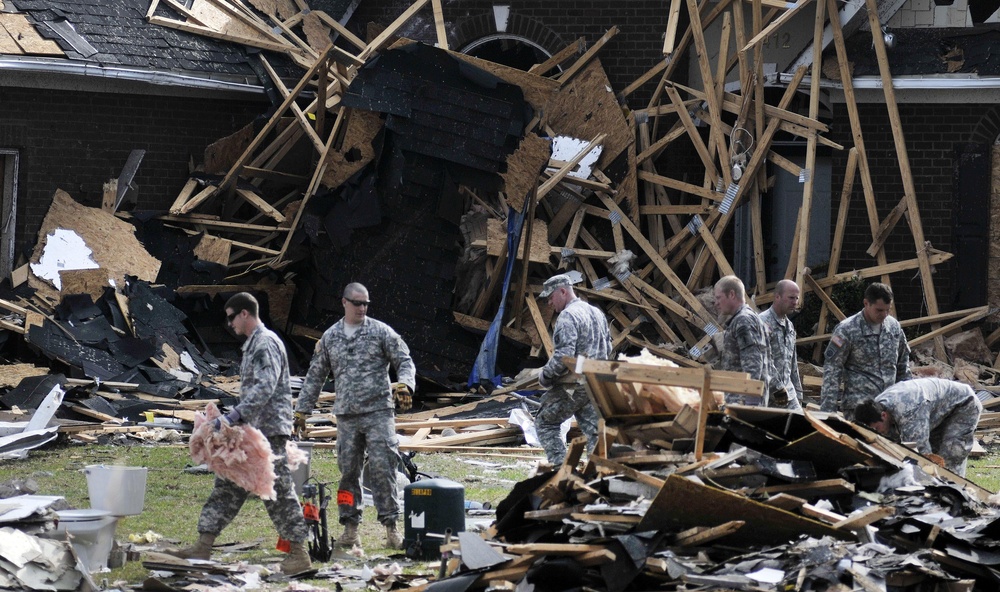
[(64, 250)]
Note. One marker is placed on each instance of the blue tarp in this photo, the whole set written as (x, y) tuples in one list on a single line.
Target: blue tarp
[(486, 361)]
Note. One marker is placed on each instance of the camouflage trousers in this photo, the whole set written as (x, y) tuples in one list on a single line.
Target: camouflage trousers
[(953, 438), (375, 433), (559, 403), (227, 498)]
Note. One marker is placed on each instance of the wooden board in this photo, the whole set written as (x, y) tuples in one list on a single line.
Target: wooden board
[(84, 281), (523, 167), (26, 36), (356, 150)]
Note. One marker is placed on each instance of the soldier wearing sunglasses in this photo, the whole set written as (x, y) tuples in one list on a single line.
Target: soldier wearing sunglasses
[(357, 352)]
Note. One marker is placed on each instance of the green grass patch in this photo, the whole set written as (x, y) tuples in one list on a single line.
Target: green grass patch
[(174, 498)]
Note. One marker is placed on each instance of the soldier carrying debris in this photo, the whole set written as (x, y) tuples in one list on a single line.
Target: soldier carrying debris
[(358, 351), (867, 354), (265, 403), (938, 416), (580, 331), (745, 346)]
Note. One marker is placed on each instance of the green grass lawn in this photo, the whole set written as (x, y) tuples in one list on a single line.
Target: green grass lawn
[(174, 498)]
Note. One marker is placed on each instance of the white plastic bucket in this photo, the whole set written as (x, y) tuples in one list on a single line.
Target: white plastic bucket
[(301, 473), (118, 489)]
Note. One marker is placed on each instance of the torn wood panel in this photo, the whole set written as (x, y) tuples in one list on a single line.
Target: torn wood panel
[(115, 248), (523, 167), (682, 503)]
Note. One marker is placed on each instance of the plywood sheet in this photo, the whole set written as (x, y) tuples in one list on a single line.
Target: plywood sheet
[(523, 167), (221, 155), (356, 150), (11, 375), (214, 249), (84, 281), (540, 249), (115, 248), (586, 107), (7, 44), (26, 36), (317, 33)]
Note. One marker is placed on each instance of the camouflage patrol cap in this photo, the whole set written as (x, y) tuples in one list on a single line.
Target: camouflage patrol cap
[(553, 283)]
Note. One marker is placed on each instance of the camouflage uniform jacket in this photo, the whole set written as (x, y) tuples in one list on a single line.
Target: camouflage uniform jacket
[(861, 363), (746, 348), (920, 405), (265, 392), (784, 360), (359, 365), (581, 331)]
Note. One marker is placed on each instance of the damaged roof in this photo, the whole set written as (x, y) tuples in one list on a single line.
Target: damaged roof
[(114, 34)]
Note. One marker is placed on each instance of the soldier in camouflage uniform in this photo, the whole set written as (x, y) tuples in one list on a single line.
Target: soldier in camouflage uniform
[(745, 345), (938, 416), (358, 351), (867, 354), (786, 386), (581, 330), (265, 403)]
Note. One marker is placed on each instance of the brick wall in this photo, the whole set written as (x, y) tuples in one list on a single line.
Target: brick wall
[(932, 133), (552, 24), (76, 141)]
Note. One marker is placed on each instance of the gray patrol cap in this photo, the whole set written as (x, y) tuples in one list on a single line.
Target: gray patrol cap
[(553, 283)]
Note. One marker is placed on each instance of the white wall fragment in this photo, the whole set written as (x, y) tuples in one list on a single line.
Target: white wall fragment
[(64, 250)]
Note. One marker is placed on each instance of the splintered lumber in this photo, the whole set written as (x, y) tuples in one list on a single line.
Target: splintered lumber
[(807, 490), (700, 535), (627, 471), (865, 517), (552, 549)]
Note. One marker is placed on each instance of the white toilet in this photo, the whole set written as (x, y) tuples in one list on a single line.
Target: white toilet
[(92, 534)]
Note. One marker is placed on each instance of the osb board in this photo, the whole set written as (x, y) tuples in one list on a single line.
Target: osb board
[(26, 36), (84, 281), (214, 249), (523, 167), (11, 375), (682, 504), (586, 107), (317, 33), (279, 298), (218, 20), (222, 154), (537, 90), (112, 241), (7, 44), (356, 151), (497, 235)]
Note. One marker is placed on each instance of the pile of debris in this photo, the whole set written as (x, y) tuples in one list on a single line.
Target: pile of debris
[(749, 499)]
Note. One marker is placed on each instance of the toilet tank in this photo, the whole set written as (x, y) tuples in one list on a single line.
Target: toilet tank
[(431, 508)]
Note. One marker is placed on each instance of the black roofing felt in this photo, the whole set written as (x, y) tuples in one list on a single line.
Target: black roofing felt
[(442, 107), (117, 30), (971, 50)]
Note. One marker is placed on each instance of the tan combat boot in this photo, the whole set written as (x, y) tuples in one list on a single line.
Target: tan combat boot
[(393, 540), (350, 536), (297, 560), (200, 550)]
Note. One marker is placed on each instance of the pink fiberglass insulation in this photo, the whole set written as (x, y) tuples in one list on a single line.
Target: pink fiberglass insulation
[(239, 453)]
